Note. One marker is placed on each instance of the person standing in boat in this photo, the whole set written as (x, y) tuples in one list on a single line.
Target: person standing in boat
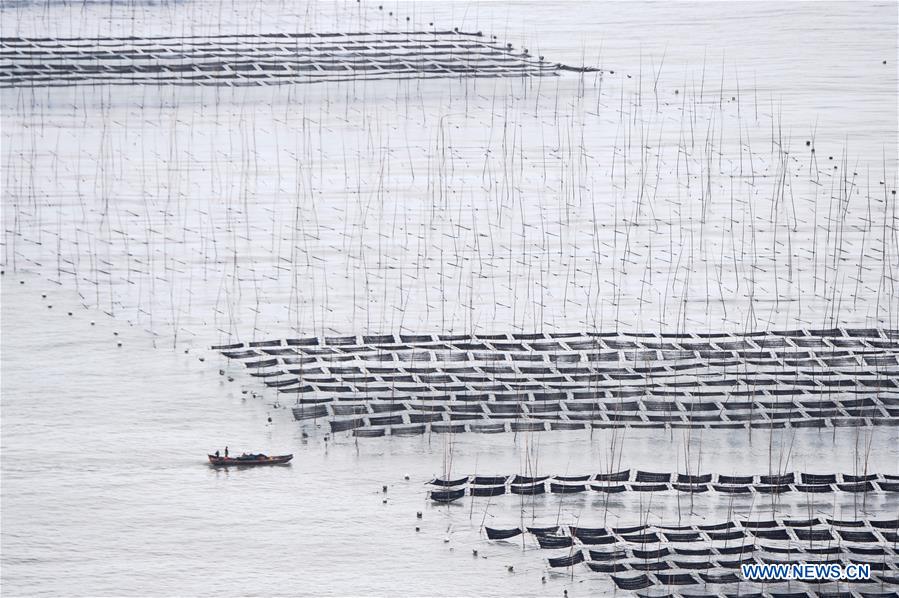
[(226, 452)]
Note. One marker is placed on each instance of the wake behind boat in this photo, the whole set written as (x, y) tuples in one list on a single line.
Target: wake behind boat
[(246, 460)]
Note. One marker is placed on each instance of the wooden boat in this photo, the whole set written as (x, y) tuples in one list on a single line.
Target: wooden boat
[(248, 460), (502, 534), (447, 496)]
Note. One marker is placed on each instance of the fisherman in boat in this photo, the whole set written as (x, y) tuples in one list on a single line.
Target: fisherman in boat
[(250, 459), (226, 452), (216, 454)]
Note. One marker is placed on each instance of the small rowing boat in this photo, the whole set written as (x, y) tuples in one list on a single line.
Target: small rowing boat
[(245, 460)]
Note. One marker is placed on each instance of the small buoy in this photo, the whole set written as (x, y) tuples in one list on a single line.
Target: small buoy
[(510, 568), (676, 92), (243, 392), (92, 322), (383, 488), (543, 579), (186, 351), (49, 307), (446, 539), (221, 372), (115, 333), (474, 552), (202, 359), (269, 420), (808, 143), (70, 313), (406, 477), (884, 61), (43, 295), (21, 282), (230, 379), (119, 343), (418, 529), (384, 502), (418, 514)]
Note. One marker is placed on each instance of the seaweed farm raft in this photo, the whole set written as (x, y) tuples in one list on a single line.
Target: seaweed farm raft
[(457, 383)]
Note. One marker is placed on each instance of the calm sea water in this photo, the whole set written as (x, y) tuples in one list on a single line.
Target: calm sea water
[(104, 486), (105, 490)]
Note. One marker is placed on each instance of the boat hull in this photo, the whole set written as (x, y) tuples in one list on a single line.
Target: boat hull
[(233, 462)]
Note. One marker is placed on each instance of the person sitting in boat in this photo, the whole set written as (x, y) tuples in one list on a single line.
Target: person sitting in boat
[(216, 454)]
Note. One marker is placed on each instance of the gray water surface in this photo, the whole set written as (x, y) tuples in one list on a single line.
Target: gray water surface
[(105, 489)]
